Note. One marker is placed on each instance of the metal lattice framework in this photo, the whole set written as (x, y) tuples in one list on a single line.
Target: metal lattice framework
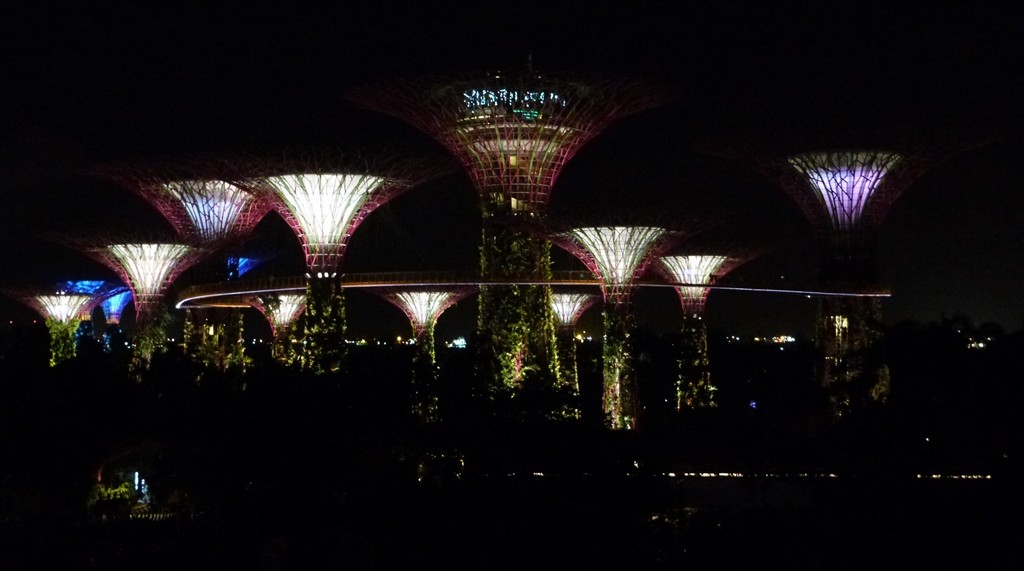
[(97, 290), (281, 310), (568, 307), (324, 199), (61, 306), (618, 255), (513, 133), (424, 307), (845, 182), (148, 267), (699, 271), (203, 199)]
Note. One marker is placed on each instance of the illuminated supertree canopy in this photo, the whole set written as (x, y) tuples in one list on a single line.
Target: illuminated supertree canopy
[(113, 306), (845, 181), (281, 310), (147, 267), (512, 132), (568, 307), (324, 199), (97, 290), (61, 307), (424, 307), (618, 255), (699, 271), (195, 196)]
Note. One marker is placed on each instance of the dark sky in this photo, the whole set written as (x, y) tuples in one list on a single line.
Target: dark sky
[(84, 83)]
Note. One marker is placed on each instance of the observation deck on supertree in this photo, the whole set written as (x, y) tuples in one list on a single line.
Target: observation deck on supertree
[(202, 199), (513, 133), (618, 255), (699, 272)]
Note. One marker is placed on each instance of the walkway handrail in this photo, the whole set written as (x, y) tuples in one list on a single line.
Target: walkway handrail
[(233, 293)]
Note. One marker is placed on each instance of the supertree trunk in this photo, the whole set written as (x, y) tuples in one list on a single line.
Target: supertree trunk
[(515, 324), (693, 388), (620, 391), (850, 338), (62, 340), (323, 342), (425, 400), (566, 340)]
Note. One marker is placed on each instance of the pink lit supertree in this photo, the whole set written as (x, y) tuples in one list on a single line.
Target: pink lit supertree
[(618, 256), (423, 307), (695, 274), (324, 198), (513, 133)]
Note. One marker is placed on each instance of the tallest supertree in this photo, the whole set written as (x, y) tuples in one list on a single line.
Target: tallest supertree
[(513, 134)]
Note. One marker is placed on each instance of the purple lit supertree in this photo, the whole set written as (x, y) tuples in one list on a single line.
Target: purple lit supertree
[(423, 308), (846, 195), (618, 256), (513, 133), (698, 272), (62, 311), (324, 198), (568, 308)]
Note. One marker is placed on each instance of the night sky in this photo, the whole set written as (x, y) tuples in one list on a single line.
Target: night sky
[(84, 84)]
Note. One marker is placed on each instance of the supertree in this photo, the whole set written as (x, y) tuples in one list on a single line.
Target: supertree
[(698, 272), (567, 308), (513, 133), (846, 195), (201, 198), (281, 310), (149, 266), (324, 198), (423, 308), (62, 311), (618, 255)]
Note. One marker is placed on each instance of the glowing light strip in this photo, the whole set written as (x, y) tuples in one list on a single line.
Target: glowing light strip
[(324, 206), (845, 181), (213, 206), (568, 307), (351, 282), (62, 307)]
